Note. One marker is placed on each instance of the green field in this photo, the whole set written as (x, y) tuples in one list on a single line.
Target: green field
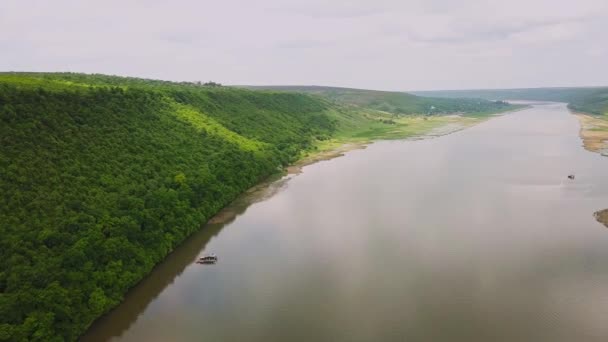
[(103, 176)]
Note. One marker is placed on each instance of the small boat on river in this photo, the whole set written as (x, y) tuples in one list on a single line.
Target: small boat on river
[(207, 259), (570, 176)]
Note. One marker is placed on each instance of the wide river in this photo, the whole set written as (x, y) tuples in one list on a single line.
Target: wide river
[(474, 236)]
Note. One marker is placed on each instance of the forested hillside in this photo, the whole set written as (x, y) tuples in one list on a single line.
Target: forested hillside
[(100, 183), (594, 101), (103, 176)]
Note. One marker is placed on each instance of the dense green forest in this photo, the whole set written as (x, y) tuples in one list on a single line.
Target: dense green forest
[(103, 176), (592, 100), (392, 102)]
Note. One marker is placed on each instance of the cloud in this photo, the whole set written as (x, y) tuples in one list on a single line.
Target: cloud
[(451, 29), (335, 10), (304, 44), (383, 44)]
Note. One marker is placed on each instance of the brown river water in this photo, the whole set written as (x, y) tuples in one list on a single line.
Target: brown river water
[(474, 236)]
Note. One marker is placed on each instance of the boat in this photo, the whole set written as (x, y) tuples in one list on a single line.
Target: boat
[(207, 259), (570, 176)]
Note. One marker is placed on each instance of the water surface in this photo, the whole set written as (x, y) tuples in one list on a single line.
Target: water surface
[(474, 236)]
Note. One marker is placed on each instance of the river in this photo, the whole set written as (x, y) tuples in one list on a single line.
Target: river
[(473, 236)]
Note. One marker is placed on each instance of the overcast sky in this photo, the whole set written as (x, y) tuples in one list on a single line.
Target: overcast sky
[(376, 44)]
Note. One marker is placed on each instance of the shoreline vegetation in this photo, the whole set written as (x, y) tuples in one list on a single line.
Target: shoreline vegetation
[(411, 127), (104, 176)]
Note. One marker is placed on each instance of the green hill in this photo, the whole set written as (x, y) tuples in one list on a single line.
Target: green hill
[(392, 102), (99, 183), (103, 176)]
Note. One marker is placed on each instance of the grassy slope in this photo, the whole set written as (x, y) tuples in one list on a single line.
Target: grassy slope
[(103, 176), (369, 114)]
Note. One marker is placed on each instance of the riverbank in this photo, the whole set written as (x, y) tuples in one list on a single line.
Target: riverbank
[(411, 127), (593, 132), (406, 127), (403, 127), (602, 216)]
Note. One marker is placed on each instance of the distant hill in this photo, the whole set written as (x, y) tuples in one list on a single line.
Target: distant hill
[(593, 100), (388, 101)]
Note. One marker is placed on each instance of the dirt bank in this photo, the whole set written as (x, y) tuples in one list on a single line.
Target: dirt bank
[(602, 216), (594, 133)]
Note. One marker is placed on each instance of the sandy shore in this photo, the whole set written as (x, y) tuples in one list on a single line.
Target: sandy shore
[(602, 216), (594, 133), (446, 129), (340, 150), (325, 155)]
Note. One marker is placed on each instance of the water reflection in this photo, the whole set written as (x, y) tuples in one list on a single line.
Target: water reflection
[(117, 321), (137, 300)]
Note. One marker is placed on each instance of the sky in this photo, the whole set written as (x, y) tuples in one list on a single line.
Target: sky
[(374, 44)]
